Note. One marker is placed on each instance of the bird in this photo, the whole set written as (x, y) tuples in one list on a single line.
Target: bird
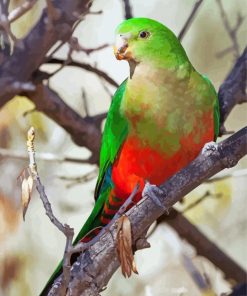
[(159, 120)]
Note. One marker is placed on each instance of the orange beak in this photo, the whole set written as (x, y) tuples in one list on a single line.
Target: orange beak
[(121, 49)]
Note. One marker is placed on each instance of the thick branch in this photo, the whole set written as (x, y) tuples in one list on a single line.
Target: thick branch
[(26, 57), (233, 89), (98, 263), (204, 246), (84, 132)]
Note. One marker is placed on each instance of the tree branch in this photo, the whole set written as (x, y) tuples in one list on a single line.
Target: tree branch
[(20, 10), (189, 19), (6, 153), (96, 265), (86, 67), (65, 229), (127, 9), (84, 132), (232, 31), (204, 246), (26, 57), (233, 89)]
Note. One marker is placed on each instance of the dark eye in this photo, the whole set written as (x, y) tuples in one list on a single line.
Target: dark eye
[(144, 34)]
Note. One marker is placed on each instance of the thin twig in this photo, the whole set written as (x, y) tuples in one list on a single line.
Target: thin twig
[(81, 179), (196, 275), (88, 51), (127, 9), (21, 10), (64, 228), (189, 19), (85, 102), (6, 153), (5, 25), (232, 31), (204, 246), (234, 174), (199, 200), (47, 100), (233, 90), (86, 67), (97, 12), (106, 88)]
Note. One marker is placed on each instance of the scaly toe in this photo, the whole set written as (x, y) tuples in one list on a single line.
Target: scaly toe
[(155, 193), (209, 148)]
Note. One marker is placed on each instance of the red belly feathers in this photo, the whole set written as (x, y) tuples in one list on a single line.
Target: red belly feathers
[(138, 163)]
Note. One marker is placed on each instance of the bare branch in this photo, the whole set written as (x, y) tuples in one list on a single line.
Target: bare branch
[(6, 153), (86, 67), (96, 266), (83, 131), (234, 174), (204, 246), (88, 51), (4, 22), (75, 46), (27, 58), (81, 179), (189, 19), (127, 9), (233, 89), (196, 276), (65, 229), (199, 200), (21, 10), (95, 12), (232, 31)]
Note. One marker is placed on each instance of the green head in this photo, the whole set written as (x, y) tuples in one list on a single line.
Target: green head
[(146, 40)]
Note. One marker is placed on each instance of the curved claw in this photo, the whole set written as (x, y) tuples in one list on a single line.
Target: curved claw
[(155, 193), (209, 147)]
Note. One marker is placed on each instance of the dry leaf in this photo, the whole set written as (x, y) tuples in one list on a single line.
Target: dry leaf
[(26, 190), (124, 247)]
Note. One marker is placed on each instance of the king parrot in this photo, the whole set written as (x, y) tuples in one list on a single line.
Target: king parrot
[(159, 120)]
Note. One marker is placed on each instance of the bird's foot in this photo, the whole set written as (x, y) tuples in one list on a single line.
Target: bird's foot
[(155, 193), (209, 148)]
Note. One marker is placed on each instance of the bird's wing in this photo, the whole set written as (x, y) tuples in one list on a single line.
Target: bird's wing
[(115, 132)]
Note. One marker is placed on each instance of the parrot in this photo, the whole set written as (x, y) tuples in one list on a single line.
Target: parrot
[(159, 120)]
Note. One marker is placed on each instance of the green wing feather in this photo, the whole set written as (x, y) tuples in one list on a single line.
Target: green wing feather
[(216, 108), (115, 132)]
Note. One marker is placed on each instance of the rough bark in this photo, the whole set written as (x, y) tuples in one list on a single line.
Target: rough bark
[(92, 271)]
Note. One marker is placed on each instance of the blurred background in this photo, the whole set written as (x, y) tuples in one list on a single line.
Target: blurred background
[(30, 250)]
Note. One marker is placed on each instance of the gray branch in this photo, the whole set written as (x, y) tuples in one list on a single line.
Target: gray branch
[(29, 53), (84, 131), (127, 9), (233, 89), (94, 268)]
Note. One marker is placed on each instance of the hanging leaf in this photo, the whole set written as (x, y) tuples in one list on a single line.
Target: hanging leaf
[(124, 247), (26, 192)]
